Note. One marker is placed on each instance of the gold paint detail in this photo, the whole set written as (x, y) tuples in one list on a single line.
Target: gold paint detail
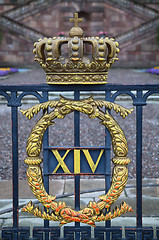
[(90, 160), (77, 168), (121, 160), (61, 161), (76, 78), (33, 160), (59, 211)]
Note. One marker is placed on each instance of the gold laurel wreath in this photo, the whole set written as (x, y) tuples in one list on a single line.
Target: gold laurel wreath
[(59, 211)]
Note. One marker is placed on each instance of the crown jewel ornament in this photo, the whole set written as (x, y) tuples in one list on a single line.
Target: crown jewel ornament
[(66, 59)]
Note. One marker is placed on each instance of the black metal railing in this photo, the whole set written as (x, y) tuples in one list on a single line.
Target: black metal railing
[(139, 95)]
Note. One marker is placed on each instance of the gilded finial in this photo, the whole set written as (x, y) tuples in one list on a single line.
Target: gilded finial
[(76, 20), (76, 30)]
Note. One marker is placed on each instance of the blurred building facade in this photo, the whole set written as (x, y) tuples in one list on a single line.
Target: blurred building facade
[(133, 24)]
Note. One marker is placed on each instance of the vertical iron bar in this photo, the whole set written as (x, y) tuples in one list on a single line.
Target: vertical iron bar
[(46, 163), (15, 192), (76, 122), (108, 164), (77, 177), (139, 166)]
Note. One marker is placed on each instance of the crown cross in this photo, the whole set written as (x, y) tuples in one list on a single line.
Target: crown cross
[(76, 20)]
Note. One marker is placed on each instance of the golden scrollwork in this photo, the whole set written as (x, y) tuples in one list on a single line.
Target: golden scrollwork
[(59, 211)]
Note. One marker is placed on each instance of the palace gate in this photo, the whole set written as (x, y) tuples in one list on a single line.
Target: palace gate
[(78, 72)]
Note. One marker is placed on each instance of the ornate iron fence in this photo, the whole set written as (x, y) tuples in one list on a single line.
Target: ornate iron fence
[(139, 95)]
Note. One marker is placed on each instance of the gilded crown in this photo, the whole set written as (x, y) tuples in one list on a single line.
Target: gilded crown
[(73, 65)]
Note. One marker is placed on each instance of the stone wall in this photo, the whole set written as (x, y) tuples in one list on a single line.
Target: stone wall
[(15, 51), (97, 17), (6, 7)]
